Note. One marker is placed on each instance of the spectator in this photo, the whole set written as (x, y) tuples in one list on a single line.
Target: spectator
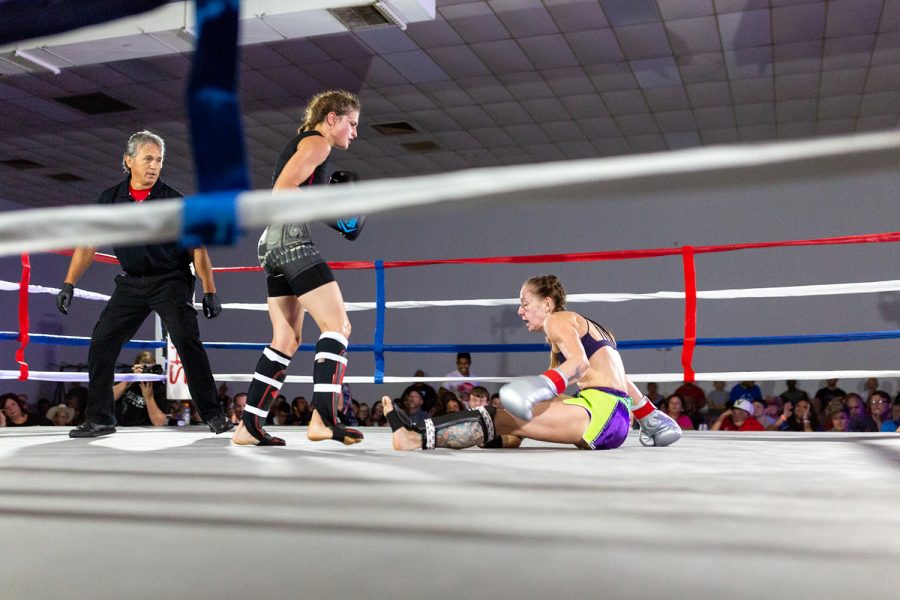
[(495, 400), (759, 412), (76, 399), (673, 407), (828, 392), (737, 418), (798, 418), (840, 419), (716, 400), (377, 419), (478, 397), (870, 387), (747, 390), (429, 394), (860, 422), (653, 394), (836, 404), (880, 409), (282, 415), (696, 395), (240, 401), (445, 398), (300, 411), (773, 411), (463, 369), (893, 424), (363, 415), (412, 402), (14, 413), (60, 415), (141, 402), (792, 394), (453, 405)]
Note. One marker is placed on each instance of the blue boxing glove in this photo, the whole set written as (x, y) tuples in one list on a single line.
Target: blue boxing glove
[(349, 227), (519, 396)]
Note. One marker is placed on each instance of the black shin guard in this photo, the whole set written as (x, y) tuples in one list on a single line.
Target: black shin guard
[(328, 374), (462, 429), (267, 379)]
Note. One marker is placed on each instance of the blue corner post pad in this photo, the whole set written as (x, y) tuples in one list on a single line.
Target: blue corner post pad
[(209, 220)]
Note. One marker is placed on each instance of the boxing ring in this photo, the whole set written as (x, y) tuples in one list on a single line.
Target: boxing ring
[(178, 513)]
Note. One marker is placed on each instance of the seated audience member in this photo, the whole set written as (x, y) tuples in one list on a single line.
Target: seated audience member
[(283, 415), (479, 396), (447, 400), (840, 420), (696, 395), (793, 394), (672, 406), (60, 415), (412, 402), (737, 418), (363, 414), (76, 399), (860, 421), (141, 402), (300, 411), (880, 409), (836, 404), (798, 418), (716, 400), (828, 392), (774, 408), (747, 390), (894, 421), (14, 413), (870, 387), (429, 394), (760, 413), (653, 394), (237, 407), (495, 400), (377, 418)]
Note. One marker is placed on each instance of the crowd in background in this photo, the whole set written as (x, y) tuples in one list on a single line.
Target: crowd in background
[(742, 407)]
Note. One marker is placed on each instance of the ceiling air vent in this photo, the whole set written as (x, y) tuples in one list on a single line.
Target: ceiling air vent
[(419, 147), (23, 164), (368, 15), (397, 128), (65, 177), (95, 104)]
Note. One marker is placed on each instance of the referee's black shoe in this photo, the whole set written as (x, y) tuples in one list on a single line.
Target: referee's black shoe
[(89, 430), (220, 424)]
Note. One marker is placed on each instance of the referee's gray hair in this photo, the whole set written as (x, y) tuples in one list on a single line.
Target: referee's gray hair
[(139, 139)]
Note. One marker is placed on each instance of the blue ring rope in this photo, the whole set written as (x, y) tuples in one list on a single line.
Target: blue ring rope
[(378, 345)]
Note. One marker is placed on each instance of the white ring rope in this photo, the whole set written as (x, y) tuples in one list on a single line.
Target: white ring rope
[(576, 180), (637, 378), (796, 291)]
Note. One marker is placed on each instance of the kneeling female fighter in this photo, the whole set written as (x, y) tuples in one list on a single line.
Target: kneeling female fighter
[(583, 352)]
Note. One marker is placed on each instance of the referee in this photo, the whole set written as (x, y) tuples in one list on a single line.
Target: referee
[(157, 278)]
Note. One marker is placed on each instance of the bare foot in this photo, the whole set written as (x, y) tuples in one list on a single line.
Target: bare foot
[(242, 437), (318, 431), (402, 439)]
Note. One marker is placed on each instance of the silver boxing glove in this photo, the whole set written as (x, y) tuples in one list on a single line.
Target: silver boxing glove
[(659, 429), (519, 396)]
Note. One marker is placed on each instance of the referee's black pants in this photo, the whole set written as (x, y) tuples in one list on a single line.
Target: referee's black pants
[(170, 296)]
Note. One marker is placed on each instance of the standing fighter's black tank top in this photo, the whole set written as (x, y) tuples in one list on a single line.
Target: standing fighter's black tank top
[(319, 175)]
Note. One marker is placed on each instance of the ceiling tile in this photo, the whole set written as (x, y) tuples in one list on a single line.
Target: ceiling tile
[(848, 52), (675, 120), (877, 123), (656, 72), (584, 105), (754, 114), (852, 17), (630, 12), (492, 137), (599, 127), (474, 22), (416, 66), (300, 51), (471, 116), (890, 16), (643, 41), (595, 47), (880, 103), (341, 45), (751, 91), (510, 113), (800, 23), (577, 150), (802, 129), (667, 99), (672, 10), (576, 15), (693, 36), (545, 152), (715, 93), (433, 34), (525, 135), (612, 146), (612, 77), (458, 140), (800, 57), (260, 56), (747, 63), (545, 110), (549, 52), (387, 40), (562, 131), (883, 79), (524, 18), (836, 127), (569, 81), (745, 29), (334, 73), (637, 124), (374, 70), (526, 86), (805, 109), (432, 120), (791, 87), (407, 97), (839, 107), (731, 6), (683, 139), (503, 56), (701, 68), (625, 102), (446, 93), (757, 133), (458, 61), (486, 90), (887, 49), (714, 117), (844, 81), (647, 143)]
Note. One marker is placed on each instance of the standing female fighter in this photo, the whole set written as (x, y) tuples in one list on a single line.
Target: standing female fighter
[(299, 281), (582, 352)]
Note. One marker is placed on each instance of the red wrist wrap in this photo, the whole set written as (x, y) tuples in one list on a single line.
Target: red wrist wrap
[(558, 380)]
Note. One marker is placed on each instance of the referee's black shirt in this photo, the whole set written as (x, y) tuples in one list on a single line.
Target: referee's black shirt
[(151, 259)]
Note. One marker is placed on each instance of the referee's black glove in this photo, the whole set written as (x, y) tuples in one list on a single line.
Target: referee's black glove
[(211, 306), (64, 298)]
